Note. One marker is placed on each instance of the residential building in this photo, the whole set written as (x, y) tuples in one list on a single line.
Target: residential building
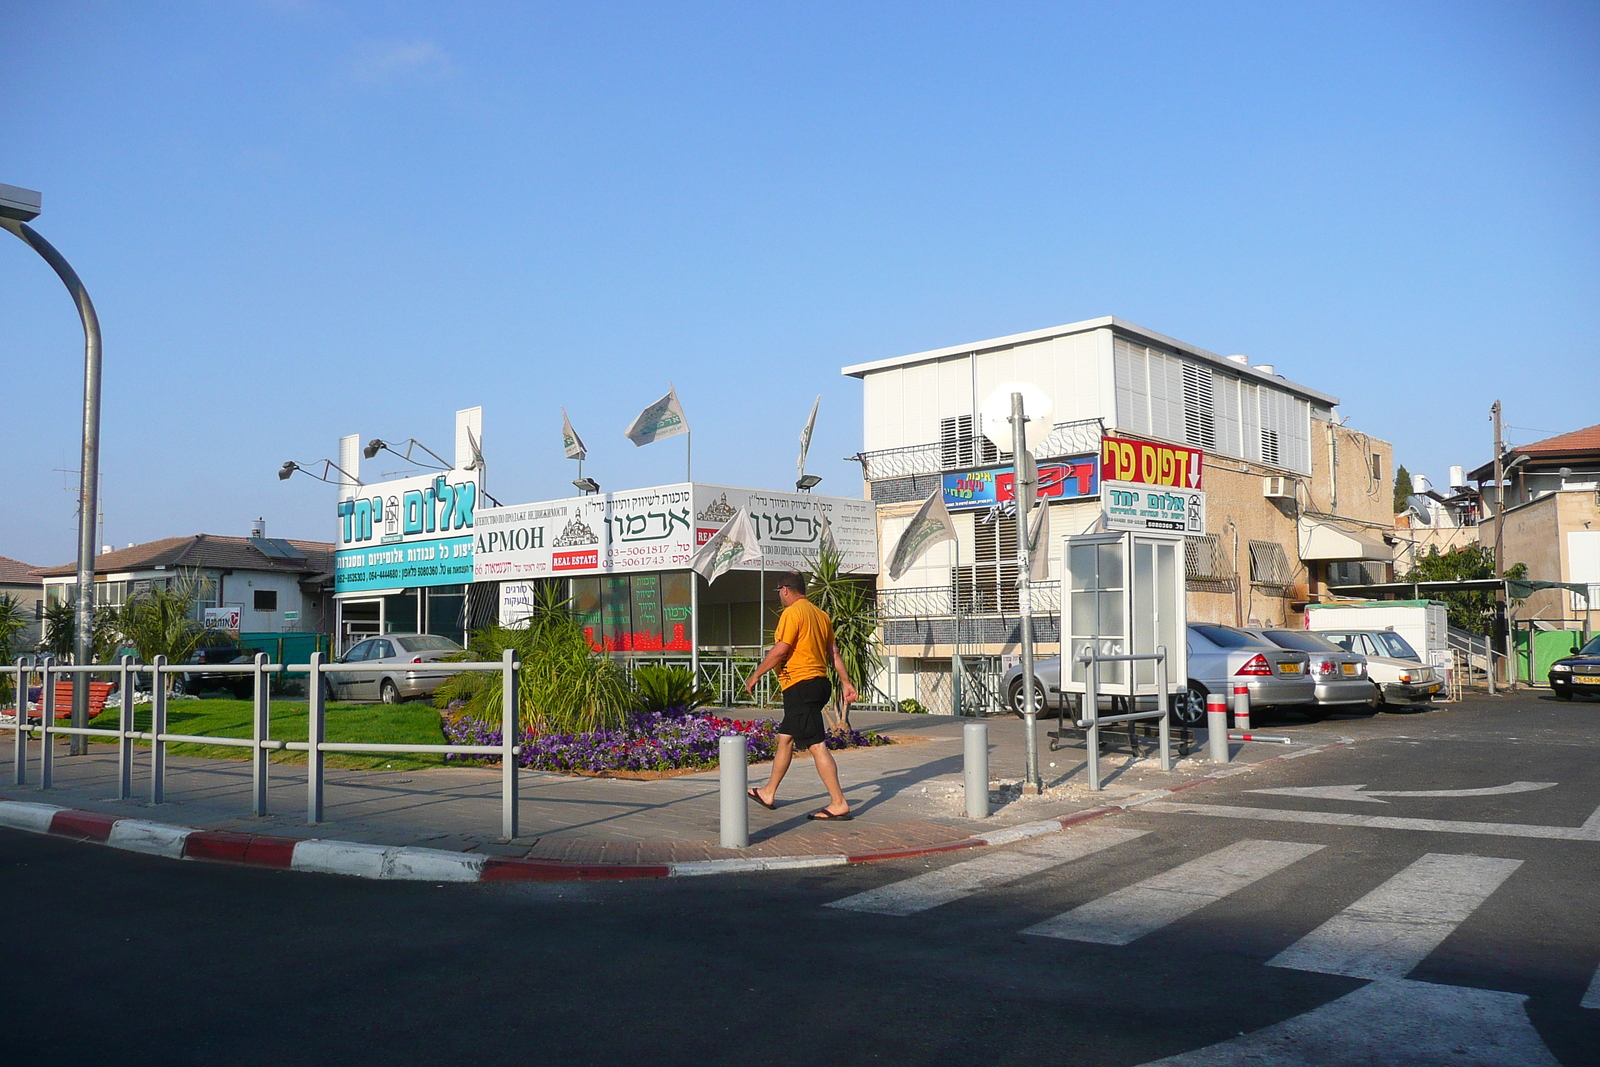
[(21, 580), (1296, 501), (1551, 498), (276, 584), (1435, 521)]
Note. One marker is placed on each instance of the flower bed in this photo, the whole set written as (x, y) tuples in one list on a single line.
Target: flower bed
[(659, 741)]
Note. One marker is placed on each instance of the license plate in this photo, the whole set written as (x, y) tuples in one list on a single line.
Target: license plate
[(1431, 689), (1349, 668), (1591, 679), (1288, 668)]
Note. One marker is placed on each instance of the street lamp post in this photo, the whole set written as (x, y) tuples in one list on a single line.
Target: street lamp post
[(18, 207)]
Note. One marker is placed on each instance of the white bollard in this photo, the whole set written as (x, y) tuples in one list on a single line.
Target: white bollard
[(1217, 728), (1241, 707), (975, 768), (734, 768)]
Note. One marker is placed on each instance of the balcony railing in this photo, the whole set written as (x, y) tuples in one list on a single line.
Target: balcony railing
[(1066, 439), (938, 601)]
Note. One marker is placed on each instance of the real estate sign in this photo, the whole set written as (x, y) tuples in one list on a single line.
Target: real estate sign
[(1142, 508), (658, 529), (405, 533)]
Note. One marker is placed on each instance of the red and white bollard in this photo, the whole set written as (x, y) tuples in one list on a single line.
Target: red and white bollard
[(1217, 728), (1241, 707)]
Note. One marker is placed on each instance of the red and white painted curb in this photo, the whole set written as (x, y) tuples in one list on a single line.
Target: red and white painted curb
[(409, 863)]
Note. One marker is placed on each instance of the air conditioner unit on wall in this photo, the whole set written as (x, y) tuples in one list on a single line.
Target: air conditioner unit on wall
[(1277, 487)]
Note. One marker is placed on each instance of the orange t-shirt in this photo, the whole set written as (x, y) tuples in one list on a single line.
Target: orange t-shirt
[(808, 630)]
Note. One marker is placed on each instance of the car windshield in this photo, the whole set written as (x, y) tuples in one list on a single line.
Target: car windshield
[(1301, 641), (428, 643), (1396, 646), (1591, 649), (1227, 637)]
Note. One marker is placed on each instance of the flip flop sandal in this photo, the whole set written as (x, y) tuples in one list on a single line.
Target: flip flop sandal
[(755, 796), (827, 816)]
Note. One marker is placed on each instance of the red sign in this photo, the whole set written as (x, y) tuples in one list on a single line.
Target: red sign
[(573, 561), (1125, 460), (702, 535), (1056, 480)]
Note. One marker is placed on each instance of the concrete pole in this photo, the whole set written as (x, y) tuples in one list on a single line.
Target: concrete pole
[(1025, 490), (1241, 707), (1216, 728), (975, 768), (1499, 544), (734, 775), (88, 468)]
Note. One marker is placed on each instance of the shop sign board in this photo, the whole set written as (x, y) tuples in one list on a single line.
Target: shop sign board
[(223, 618), (1144, 508), (1072, 478), (1123, 459), (658, 529), (406, 533)]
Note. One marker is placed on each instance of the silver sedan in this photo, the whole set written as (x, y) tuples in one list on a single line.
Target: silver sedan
[(1340, 675), (402, 652)]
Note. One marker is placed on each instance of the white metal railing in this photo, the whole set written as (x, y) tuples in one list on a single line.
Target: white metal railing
[(1078, 437), (939, 601), (316, 745)]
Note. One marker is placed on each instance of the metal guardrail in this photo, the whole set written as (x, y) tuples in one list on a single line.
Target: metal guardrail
[(316, 745), (1092, 719), (1065, 439)]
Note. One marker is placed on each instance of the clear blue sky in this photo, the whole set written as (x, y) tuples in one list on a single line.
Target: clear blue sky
[(306, 219)]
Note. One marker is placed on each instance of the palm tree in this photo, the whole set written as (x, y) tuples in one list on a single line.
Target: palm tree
[(13, 620)]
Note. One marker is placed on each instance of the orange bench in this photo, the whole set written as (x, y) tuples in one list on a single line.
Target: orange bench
[(99, 693)]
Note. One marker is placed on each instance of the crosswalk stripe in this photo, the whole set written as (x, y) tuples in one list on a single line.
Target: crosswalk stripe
[(1591, 998), (1126, 915), (913, 895), (1393, 928)]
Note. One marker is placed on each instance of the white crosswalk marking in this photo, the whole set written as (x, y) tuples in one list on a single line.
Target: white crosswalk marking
[(1393, 928), (1591, 997), (1126, 915), (912, 895)]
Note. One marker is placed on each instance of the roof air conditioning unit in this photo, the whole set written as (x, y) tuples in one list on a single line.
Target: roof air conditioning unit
[(1277, 487)]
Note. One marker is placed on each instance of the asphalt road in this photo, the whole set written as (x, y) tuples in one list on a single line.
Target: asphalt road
[(1151, 934)]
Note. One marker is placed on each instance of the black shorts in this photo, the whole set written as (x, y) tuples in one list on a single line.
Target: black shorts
[(802, 711)]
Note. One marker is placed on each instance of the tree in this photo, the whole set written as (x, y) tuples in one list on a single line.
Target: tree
[(855, 625), (61, 628), (13, 620), (1402, 489), (565, 687), (1468, 611), (159, 621)]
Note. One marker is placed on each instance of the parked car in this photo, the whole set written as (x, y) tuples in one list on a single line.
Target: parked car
[(1341, 675), (1219, 658), (402, 651), (1577, 673), (239, 685), (1399, 677)]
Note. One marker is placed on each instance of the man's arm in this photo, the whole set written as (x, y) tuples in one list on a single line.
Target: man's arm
[(773, 660), (850, 693)]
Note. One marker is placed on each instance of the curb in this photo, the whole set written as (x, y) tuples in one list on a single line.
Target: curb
[(414, 864)]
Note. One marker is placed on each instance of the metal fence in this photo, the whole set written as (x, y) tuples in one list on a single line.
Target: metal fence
[(261, 746)]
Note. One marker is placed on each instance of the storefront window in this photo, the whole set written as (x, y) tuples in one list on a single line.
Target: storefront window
[(676, 598), (446, 605), (617, 615), (586, 607)]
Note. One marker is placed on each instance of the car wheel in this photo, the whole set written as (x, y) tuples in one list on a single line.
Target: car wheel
[(328, 694), (1561, 694), (1190, 708), (389, 693), (1015, 699), (1378, 702)]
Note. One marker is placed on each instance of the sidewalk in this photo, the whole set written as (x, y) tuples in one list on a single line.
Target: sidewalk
[(906, 798)]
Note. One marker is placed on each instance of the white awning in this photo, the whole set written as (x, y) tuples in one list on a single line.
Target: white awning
[(1323, 540)]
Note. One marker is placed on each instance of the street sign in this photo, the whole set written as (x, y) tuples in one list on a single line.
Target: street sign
[(291, 616), (1147, 508)]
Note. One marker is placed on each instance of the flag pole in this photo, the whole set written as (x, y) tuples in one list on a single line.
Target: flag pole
[(688, 455), (694, 626), (955, 652)]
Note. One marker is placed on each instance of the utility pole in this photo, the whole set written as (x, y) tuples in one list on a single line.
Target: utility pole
[(1026, 480), (1499, 543)]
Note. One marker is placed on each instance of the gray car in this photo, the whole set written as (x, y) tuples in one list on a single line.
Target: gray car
[(1340, 675), (402, 651), (1219, 658)]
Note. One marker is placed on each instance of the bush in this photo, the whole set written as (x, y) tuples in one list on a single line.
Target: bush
[(660, 688), (912, 706)]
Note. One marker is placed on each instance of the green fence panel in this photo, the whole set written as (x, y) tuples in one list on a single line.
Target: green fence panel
[(1547, 647), (288, 647)]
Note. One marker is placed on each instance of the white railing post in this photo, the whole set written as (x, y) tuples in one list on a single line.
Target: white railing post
[(1164, 702), (509, 701), (125, 686), (1217, 728), (316, 733), (1091, 713), (158, 727), (975, 768), (19, 772), (259, 727), (47, 714)]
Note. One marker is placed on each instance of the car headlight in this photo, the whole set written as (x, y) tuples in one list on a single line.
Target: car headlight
[(1405, 679), (1566, 667)]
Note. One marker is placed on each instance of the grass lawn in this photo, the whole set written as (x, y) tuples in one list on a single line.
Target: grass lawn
[(414, 723)]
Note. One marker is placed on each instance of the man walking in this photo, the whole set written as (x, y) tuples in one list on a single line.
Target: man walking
[(802, 648)]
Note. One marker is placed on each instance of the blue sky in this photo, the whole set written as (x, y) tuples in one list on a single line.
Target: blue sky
[(303, 219)]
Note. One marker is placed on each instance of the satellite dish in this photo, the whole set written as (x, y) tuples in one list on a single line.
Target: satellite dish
[(996, 415)]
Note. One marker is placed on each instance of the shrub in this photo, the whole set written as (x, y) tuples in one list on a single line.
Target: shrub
[(660, 688), (912, 706)]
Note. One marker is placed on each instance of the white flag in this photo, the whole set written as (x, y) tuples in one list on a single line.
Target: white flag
[(662, 419), (1039, 544), (930, 525), (570, 438), (825, 535), (805, 434), (734, 543)]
